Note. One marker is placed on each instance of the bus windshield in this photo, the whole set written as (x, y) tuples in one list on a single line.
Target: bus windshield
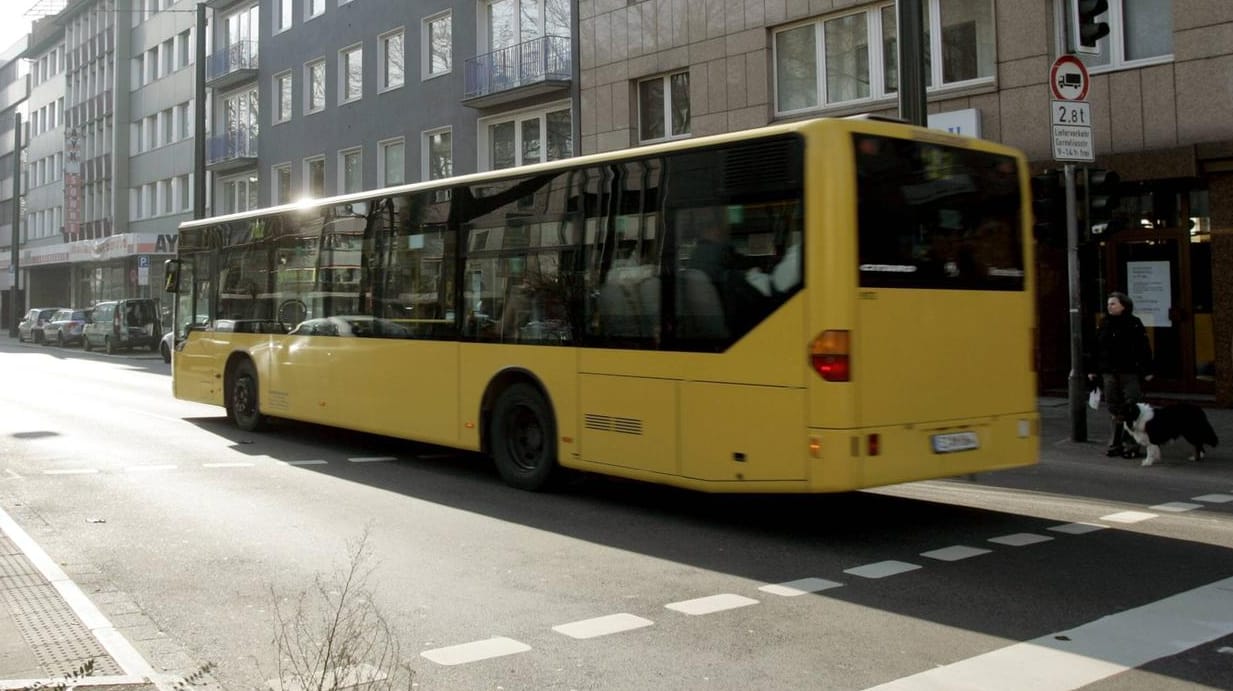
[(934, 216)]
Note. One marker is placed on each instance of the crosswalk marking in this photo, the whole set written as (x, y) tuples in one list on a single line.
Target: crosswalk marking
[(1020, 539), (1214, 498), (602, 626), (882, 569), (1091, 652), (1078, 528), (371, 459), (475, 651), (801, 586), (1128, 517), (711, 604), (1176, 506), (955, 553)]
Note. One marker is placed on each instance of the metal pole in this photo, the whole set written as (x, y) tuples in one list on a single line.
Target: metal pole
[(911, 21), (15, 311), (199, 118), (1077, 389)]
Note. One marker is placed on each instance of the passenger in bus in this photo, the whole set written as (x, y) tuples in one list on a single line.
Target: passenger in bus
[(1123, 359)]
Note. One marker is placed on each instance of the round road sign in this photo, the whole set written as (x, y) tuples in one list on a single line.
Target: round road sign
[(1068, 79)]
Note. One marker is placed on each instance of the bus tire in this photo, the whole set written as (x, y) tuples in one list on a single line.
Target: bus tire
[(242, 404), (523, 440)]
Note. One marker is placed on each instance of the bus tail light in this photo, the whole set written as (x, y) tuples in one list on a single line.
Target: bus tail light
[(829, 355), (874, 444)]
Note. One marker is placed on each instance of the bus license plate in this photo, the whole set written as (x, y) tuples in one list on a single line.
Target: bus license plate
[(955, 441)]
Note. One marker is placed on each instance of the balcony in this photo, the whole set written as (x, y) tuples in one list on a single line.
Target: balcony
[(533, 68), (231, 151), (232, 65)]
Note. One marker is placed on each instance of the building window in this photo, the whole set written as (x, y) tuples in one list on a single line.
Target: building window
[(282, 97), (663, 107), (281, 177), (526, 137), (351, 170), (392, 73), (314, 77), (183, 192), (438, 154), (282, 15), (351, 74), (1140, 32), (853, 57), (313, 8), (314, 177), (438, 45), (393, 163), (239, 194)]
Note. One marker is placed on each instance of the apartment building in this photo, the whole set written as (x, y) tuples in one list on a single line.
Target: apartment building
[(357, 94), (652, 70), (14, 89), (45, 264)]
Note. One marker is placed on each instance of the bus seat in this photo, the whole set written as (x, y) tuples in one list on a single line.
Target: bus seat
[(618, 310), (699, 311), (648, 301)]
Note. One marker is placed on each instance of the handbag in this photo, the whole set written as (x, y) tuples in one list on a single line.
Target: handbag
[(1093, 398)]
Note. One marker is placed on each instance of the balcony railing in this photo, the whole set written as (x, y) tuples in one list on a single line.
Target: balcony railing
[(538, 62), (234, 61), (238, 146)]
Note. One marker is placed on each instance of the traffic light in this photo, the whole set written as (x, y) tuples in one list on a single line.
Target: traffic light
[(1087, 29), (1049, 207), (1100, 200)]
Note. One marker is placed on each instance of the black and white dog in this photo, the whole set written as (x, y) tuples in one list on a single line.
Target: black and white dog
[(1153, 427)]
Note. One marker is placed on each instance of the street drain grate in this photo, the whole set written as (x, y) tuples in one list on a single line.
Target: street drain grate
[(58, 639)]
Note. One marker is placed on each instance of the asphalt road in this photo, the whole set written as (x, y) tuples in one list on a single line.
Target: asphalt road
[(196, 540)]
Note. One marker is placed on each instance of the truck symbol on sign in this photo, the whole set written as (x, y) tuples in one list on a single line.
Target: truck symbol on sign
[(1069, 81)]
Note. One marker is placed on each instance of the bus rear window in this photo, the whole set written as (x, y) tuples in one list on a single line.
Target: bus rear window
[(934, 216)]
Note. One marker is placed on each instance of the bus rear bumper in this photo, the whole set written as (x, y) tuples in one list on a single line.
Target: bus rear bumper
[(877, 456)]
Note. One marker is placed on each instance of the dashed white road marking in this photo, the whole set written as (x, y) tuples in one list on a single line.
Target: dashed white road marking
[(1176, 507), (314, 461), (711, 604), (882, 569), (71, 471), (955, 553), (226, 465), (801, 586), (148, 468), (1214, 498), (475, 651), (1078, 528), (602, 626), (372, 459), (1128, 517), (1020, 539), (1091, 652)]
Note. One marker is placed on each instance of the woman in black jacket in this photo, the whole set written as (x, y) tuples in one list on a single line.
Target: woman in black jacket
[(1123, 359)]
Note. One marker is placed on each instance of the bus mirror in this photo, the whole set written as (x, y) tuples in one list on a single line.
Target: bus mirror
[(171, 273)]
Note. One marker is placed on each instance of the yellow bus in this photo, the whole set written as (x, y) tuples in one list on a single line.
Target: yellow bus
[(818, 306)]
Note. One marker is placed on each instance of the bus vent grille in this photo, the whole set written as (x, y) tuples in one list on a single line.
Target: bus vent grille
[(767, 165), (607, 423)]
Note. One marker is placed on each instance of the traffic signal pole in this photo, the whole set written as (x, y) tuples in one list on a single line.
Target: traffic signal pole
[(1077, 387)]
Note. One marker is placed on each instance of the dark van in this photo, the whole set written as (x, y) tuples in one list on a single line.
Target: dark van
[(129, 323)]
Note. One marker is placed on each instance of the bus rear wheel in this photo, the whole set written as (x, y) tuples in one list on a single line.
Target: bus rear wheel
[(242, 399), (523, 439)]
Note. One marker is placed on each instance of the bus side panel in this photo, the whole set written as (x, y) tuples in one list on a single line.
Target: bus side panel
[(199, 365), (742, 432), (399, 388), (555, 369), (629, 422)]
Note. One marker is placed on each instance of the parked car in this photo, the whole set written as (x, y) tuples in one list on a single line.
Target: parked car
[(30, 328), (165, 345), (65, 327), (124, 324)]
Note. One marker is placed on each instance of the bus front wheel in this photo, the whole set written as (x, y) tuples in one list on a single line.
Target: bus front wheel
[(242, 399), (523, 440)]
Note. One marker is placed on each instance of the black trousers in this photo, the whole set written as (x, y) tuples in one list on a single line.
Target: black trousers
[(1120, 389)]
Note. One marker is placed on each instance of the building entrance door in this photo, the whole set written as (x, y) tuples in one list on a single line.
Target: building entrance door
[(1168, 275)]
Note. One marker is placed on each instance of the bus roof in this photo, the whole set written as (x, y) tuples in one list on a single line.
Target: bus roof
[(863, 122)]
